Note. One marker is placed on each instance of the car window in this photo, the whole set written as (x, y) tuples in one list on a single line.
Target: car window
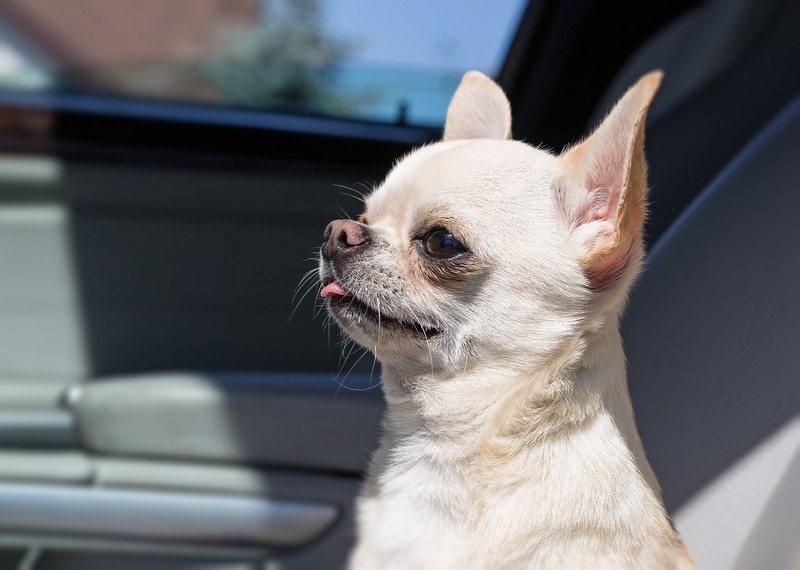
[(343, 58)]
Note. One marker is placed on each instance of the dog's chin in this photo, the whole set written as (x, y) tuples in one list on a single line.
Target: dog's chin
[(360, 319)]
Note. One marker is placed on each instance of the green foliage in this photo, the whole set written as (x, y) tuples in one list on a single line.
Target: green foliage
[(286, 63)]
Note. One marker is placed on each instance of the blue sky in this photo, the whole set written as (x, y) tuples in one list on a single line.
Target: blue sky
[(439, 34)]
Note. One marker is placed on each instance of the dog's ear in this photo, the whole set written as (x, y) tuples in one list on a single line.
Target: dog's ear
[(479, 110), (605, 191)]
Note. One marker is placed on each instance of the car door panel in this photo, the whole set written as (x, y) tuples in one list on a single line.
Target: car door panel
[(152, 368), (272, 419)]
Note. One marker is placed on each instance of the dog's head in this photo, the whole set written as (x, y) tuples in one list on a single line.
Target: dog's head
[(479, 246)]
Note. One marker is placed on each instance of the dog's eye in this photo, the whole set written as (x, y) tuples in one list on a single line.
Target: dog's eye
[(442, 245)]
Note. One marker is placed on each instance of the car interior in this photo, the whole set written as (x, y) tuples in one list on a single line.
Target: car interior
[(171, 396)]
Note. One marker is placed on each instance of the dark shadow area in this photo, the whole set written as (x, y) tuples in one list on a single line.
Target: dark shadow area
[(171, 268), (702, 125), (713, 321), (196, 268)]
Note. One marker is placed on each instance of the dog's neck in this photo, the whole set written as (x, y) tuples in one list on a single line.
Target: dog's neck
[(583, 378), (496, 426)]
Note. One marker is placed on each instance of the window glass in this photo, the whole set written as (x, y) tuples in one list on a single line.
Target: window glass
[(392, 62)]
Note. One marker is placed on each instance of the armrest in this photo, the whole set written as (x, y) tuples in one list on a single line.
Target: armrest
[(297, 420), (162, 515)]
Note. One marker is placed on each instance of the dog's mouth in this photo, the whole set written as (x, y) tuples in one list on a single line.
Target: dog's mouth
[(345, 305)]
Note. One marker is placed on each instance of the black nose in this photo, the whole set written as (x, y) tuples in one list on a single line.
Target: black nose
[(342, 236)]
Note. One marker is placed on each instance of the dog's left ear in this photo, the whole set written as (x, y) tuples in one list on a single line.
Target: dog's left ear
[(605, 191), (479, 110)]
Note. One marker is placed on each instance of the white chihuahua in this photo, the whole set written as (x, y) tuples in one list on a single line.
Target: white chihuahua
[(488, 278)]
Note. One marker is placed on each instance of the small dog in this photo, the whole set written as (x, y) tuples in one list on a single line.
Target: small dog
[(488, 278)]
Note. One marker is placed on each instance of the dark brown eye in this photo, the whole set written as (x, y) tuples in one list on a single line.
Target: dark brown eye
[(441, 244)]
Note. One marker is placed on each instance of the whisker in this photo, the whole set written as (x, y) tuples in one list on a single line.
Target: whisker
[(374, 362), (343, 385), (367, 186), (312, 286), (310, 274), (351, 192), (344, 213), (320, 306), (353, 347), (422, 330)]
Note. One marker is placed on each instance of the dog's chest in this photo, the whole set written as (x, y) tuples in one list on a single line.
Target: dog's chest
[(419, 518), (427, 504), (426, 513)]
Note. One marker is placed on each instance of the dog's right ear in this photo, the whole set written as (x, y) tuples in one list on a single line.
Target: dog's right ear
[(479, 110), (604, 199)]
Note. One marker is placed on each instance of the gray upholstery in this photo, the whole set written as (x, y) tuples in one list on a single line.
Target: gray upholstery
[(774, 540), (729, 66), (117, 267), (157, 515), (712, 337), (176, 478), (693, 51), (130, 267), (293, 420)]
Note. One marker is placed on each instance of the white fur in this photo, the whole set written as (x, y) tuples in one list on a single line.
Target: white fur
[(509, 439)]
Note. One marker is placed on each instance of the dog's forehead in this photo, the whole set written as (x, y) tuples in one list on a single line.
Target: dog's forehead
[(461, 172)]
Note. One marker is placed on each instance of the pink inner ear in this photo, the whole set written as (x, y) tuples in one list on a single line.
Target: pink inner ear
[(605, 271), (604, 176), (594, 222), (597, 206), (603, 197)]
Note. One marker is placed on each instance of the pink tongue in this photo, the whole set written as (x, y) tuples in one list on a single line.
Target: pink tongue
[(335, 288)]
